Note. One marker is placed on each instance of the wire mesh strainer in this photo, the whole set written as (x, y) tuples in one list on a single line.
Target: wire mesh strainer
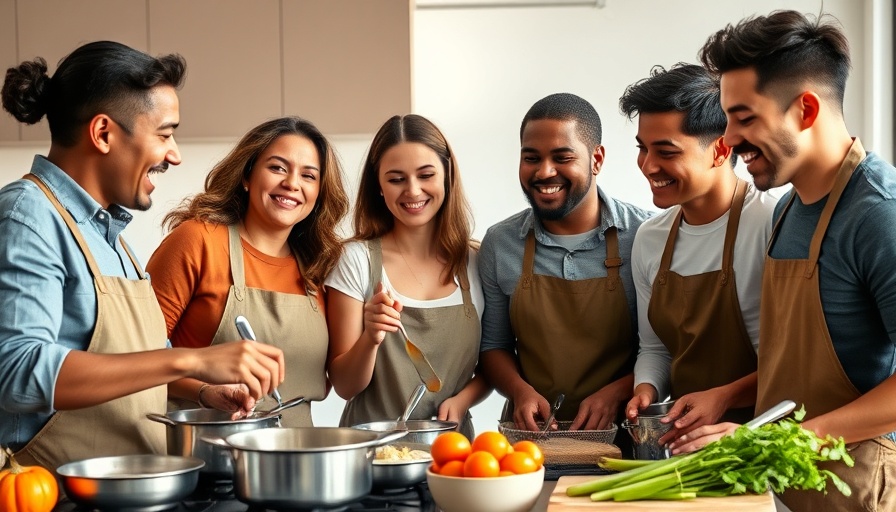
[(564, 446)]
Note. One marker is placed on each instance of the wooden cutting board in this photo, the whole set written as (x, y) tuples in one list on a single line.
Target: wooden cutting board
[(560, 502)]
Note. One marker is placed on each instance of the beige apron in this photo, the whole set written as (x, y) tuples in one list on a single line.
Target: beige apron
[(291, 322), (573, 337), (128, 319), (797, 361), (448, 335), (699, 319)]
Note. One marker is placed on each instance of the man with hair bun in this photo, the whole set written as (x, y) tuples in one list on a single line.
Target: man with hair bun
[(698, 265), (82, 339), (827, 335), (557, 278)]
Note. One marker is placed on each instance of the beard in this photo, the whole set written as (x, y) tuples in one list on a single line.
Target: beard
[(574, 197), (769, 177)]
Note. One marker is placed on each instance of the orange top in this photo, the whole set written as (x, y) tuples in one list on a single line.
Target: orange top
[(190, 273)]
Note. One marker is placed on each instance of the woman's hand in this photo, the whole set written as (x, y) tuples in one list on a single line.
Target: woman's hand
[(453, 409), (381, 315), (233, 398)]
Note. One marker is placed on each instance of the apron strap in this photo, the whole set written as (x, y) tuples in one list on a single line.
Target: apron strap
[(613, 261), (844, 173), (375, 248), (737, 206), (127, 249), (311, 294), (73, 226), (237, 265), (666, 260), (469, 310), (528, 260)]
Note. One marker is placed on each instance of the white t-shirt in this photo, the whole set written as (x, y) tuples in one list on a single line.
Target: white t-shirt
[(698, 249), (351, 276)]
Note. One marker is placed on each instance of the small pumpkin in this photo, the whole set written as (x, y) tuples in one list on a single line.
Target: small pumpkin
[(27, 488)]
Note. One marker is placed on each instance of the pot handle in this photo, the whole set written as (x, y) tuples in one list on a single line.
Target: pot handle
[(161, 419), (391, 436)]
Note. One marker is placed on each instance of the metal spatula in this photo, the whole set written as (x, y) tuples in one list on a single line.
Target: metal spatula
[(245, 330)]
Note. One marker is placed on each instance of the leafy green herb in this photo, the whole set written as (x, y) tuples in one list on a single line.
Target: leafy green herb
[(776, 456)]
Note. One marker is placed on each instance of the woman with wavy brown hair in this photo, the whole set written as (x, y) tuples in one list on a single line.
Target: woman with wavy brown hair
[(258, 242), (410, 263)]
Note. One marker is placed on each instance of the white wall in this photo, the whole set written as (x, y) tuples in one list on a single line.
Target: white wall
[(477, 71)]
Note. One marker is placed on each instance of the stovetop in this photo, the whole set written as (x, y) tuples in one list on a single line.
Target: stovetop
[(219, 497)]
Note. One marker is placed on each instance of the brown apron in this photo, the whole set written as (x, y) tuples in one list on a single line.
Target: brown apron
[(698, 318), (128, 319), (797, 361), (448, 335), (291, 322), (573, 337)]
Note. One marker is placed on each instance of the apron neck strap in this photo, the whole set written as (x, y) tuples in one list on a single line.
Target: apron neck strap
[(237, 265), (737, 206), (375, 248), (73, 227), (613, 261)]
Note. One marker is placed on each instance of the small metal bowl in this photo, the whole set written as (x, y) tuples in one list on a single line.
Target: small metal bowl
[(401, 474), (419, 431), (130, 482)]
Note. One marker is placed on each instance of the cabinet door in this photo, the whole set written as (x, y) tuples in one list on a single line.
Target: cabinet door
[(347, 63), (54, 28), (232, 48)]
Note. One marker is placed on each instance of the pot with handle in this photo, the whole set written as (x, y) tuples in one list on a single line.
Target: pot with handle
[(186, 427), (304, 467)]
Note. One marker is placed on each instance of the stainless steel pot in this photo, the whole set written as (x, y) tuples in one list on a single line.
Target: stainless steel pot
[(188, 426), (130, 482), (646, 431), (302, 468), (419, 431), (401, 474)]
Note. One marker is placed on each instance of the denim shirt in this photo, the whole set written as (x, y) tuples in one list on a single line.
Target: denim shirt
[(501, 263), (47, 296)]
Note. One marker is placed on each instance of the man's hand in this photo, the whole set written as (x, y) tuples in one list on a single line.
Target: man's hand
[(259, 366), (598, 411), (694, 410), (526, 406), (700, 437)]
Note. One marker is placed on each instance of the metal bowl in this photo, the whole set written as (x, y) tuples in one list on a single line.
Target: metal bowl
[(419, 431), (401, 474), (130, 482)]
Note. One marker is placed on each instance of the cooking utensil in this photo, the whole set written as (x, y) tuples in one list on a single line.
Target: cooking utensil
[(129, 482), (647, 429), (775, 413), (303, 467), (288, 404), (547, 424), (186, 427), (400, 474), (418, 431), (425, 370), (245, 330), (413, 400), (421, 364)]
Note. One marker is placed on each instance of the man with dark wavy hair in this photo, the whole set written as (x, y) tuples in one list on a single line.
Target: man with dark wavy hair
[(82, 338), (828, 309), (698, 263)]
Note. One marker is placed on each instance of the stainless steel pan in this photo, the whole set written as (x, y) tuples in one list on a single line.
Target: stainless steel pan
[(401, 474), (419, 431), (303, 468)]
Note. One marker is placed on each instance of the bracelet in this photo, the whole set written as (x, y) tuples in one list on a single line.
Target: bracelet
[(199, 395)]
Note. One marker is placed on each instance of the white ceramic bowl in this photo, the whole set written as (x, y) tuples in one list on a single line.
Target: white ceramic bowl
[(517, 493)]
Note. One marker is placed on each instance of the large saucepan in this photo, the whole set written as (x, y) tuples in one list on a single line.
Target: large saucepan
[(302, 468), (188, 426)]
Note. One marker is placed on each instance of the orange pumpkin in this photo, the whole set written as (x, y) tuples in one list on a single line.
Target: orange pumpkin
[(27, 488)]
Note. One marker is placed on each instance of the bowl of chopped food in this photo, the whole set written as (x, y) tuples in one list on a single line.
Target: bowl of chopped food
[(400, 465)]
